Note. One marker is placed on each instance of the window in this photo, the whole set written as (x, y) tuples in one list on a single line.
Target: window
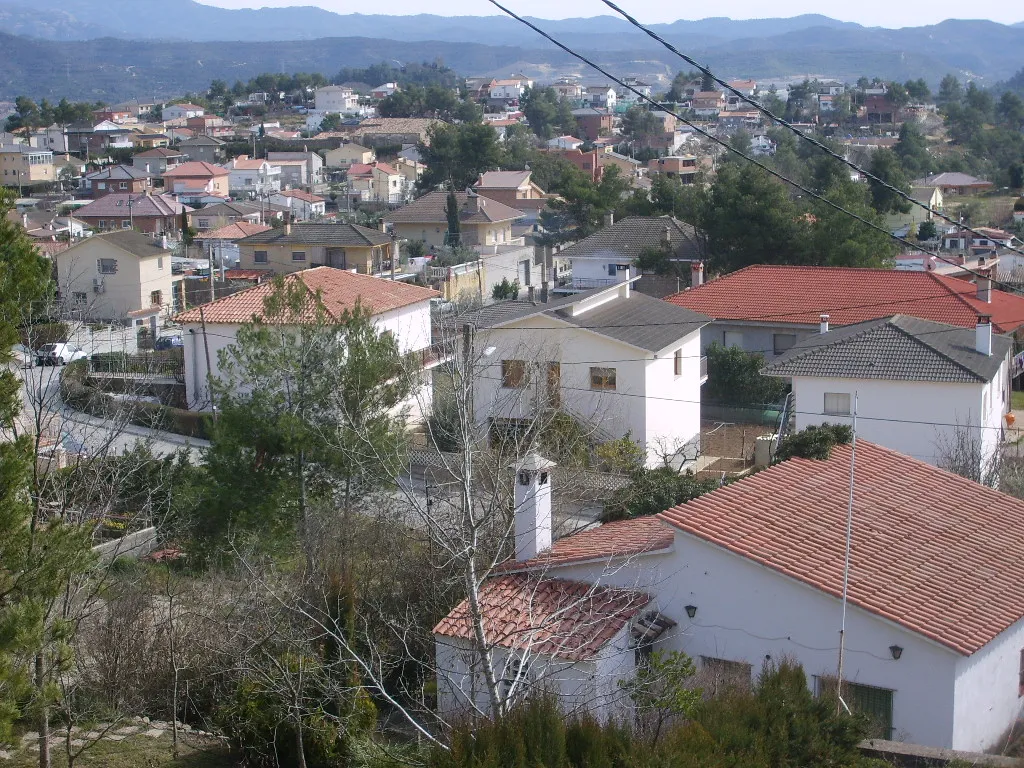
[(102, 184), (783, 341), (159, 262), (126, 223), (513, 374), (203, 223), (613, 270), (106, 266), (156, 298), (298, 255), (869, 700), (733, 338), (677, 361), (260, 257), (81, 298), (837, 403), (124, 185), (602, 379), (719, 676)]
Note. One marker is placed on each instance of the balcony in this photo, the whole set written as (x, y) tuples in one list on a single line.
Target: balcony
[(703, 368)]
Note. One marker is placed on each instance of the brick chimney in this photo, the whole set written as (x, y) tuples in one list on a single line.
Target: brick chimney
[(984, 287)]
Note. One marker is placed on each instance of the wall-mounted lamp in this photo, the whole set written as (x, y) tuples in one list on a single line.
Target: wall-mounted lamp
[(896, 651), (691, 611)]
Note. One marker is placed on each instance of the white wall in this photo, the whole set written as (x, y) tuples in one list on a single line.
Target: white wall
[(902, 415), (672, 405), (540, 339), (127, 290), (988, 699), (755, 337)]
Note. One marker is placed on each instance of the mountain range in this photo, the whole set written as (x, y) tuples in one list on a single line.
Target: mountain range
[(115, 49)]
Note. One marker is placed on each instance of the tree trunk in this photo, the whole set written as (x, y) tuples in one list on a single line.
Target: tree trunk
[(44, 712)]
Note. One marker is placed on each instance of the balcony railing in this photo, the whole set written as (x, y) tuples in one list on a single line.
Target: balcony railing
[(704, 368)]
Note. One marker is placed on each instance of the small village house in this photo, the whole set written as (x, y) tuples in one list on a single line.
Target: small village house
[(482, 221), (296, 247), (299, 205), (150, 213)]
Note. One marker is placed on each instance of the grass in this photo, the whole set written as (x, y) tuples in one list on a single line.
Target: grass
[(1017, 401), (136, 752)]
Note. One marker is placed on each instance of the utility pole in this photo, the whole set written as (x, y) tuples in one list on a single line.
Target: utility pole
[(846, 564), (209, 373)]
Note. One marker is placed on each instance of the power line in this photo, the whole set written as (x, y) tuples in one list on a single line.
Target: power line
[(785, 124), (716, 140)]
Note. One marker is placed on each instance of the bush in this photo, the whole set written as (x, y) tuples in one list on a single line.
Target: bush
[(734, 378), (651, 491), (815, 442)]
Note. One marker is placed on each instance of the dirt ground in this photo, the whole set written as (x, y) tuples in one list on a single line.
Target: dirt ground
[(734, 441)]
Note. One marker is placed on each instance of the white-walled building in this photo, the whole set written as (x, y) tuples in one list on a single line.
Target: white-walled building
[(752, 573), (303, 206), (620, 361), (918, 387), (398, 308), (181, 112), (252, 177), (337, 99)]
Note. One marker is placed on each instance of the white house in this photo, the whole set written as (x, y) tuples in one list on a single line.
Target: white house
[(601, 96), (398, 308), (302, 205), (511, 89), (752, 573), (618, 360), (916, 386), (337, 99), (181, 112), (252, 177), (565, 142)]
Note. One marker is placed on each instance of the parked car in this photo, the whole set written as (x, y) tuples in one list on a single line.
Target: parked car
[(58, 354), (169, 342), (23, 356)]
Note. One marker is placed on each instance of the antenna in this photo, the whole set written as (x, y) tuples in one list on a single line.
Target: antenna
[(846, 564)]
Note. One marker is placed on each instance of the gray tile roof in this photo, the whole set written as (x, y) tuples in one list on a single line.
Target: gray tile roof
[(430, 209), (640, 321), (631, 236), (129, 240), (118, 173), (950, 179), (228, 209), (306, 233), (897, 348)]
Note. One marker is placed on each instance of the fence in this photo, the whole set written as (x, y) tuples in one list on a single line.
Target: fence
[(170, 363)]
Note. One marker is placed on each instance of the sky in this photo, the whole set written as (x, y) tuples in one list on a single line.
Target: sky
[(872, 13)]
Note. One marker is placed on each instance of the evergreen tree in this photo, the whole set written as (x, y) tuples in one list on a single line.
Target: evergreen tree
[(453, 236)]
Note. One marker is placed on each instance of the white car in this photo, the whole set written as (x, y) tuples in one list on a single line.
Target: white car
[(58, 354)]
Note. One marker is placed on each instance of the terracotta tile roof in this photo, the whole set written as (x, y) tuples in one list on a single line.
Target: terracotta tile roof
[(196, 169), (934, 552), (247, 164), (624, 538), (366, 169), (555, 617), (503, 179), (799, 295), (339, 289), (247, 274), (142, 206), (430, 209), (235, 231)]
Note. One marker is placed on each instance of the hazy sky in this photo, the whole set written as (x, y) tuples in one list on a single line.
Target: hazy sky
[(883, 13)]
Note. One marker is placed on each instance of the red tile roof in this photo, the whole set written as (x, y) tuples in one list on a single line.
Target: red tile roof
[(799, 295), (235, 231), (196, 169), (554, 617), (606, 542), (247, 274), (339, 290), (298, 194), (934, 552), (366, 169)]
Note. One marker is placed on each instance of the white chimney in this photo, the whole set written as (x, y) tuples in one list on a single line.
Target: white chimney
[(984, 287), (983, 336), (824, 323), (609, 218), (533, 506), (163, 242), (697, 273)]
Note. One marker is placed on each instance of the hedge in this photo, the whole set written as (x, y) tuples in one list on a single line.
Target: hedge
[(77, 394)]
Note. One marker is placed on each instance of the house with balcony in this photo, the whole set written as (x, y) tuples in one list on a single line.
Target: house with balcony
[(336, 99), (682, 167), (708, 103), (158, 160), (251, 177), (482, 221), (299, 205), (753, 573), (298, 169), (294, 247), (116, 276), (117, 178), (377, 182), (222, 214), (509, 89), (197, 181), (399, 309), (611, 357), (150, 213), (22, 165)]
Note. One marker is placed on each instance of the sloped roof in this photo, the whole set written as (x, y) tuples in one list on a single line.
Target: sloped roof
[(894, 348), (196, 168), (116, 204), (339, 290), (159, 152), (799, 295), (430, 209), (502, 179), (322, 233), (298, 194), (936, 553), (247, 164), (235, 231), (201, 140), (229, 209), (128, 240), (631, 236), (366, 169), (118, 173), (951, 179), (554, 617)]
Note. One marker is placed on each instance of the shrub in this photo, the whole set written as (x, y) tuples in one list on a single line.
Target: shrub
[(815, 442), (651, 491), (734, 378)]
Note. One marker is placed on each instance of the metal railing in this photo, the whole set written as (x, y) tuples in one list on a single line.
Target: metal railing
[(703, 367)]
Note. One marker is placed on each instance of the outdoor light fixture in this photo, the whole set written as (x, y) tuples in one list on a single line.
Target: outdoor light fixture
[(691, 611), (896, 651)]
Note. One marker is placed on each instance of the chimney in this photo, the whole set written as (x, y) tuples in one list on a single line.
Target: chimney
[(288, 222), (697, 273), (983, 335), (984, 287), (609, 218), (545, 281), (163, 242), (824, 324), (666, 236), (533, 506)]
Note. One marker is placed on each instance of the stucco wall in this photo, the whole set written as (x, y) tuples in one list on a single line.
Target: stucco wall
[(755, 337), (988, 700), (126, 290)]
